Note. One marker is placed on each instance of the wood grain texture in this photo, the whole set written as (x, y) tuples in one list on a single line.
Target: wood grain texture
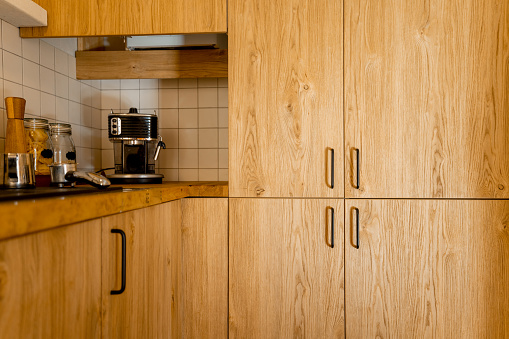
[(29, 216), (50, 284), (427, 98), (129, 17), (285, 281), (428, 269), (285, 97), (201, 63), (144, 309), (203, 289)]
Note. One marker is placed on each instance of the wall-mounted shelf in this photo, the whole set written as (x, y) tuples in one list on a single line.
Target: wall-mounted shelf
[(152, 64), (23, 13)]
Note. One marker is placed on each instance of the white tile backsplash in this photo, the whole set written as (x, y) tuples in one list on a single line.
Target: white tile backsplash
[(61, 62), (193, 113), (207, 97), (30, 49), (30, 74), (208, 117), (10, 38), (188, 118), (33, 98), (188, 98), (48, 106), (13, 67), (130, 84), (168, 98), (208, 138), (47, 80), (47, 55)]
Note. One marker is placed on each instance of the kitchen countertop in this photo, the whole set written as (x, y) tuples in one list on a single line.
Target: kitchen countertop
[(27, 216)]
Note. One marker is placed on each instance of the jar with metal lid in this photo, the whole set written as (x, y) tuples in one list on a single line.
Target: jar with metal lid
[(64, 151), (39, 144)]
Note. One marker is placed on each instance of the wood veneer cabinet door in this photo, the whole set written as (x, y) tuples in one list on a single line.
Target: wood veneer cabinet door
[(426, 98), (50, 283), (203, 279), (144, 309), (427, 269), (285, 279), (285, 74), (129, 17)]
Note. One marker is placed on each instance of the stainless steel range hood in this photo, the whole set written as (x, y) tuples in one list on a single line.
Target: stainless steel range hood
[(184, 41)]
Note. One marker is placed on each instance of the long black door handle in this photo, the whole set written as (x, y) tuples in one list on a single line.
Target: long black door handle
[(332, 169), (357, 226), (122, 287), (332, 229), (358, 168)]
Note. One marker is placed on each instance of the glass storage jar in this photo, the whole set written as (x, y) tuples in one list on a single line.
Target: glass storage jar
[(39, 144), (64, 151)]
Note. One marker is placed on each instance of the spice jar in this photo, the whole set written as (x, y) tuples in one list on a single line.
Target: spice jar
[(64, 151), (39, 144)]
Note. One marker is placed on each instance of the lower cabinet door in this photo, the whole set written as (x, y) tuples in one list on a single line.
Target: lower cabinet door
[(285, 277), (427, 268), (50, 283), (143, 308), (203, 274)]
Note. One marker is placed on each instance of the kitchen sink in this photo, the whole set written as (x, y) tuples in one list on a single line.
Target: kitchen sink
[(46, 192)]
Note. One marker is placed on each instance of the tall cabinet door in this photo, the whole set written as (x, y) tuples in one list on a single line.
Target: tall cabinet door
[(426, 99), (285, 74), (285, 277), (427, 268)]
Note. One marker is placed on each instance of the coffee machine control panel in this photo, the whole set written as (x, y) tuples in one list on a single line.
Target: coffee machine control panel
[(116, 126)]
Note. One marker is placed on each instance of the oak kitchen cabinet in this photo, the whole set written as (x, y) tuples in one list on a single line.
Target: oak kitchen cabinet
[(427, 268), (129, 17), (285, 85), (50, 283), (176, 271), (58, 283), (427, 99), (286, 273)]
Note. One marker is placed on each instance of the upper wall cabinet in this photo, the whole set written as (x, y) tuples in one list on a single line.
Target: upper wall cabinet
[(427, 99), (129, 17), (285, 76)]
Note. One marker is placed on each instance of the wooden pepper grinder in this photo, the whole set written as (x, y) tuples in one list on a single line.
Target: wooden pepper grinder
[(15, 132)]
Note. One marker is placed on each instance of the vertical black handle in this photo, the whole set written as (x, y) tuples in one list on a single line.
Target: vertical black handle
[(358, 169), (357, 226), (332, 169), (332, 228), (122, 287)]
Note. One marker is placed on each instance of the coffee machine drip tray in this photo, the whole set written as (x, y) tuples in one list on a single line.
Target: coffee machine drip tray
[(136, 178)]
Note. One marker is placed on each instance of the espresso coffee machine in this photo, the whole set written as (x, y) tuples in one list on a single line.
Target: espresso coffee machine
[(136, 147)]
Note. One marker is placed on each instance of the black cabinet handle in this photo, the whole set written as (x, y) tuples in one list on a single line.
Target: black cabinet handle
[(357, 226), (358, 168), (122, 287), (332, 229), (332, 170)]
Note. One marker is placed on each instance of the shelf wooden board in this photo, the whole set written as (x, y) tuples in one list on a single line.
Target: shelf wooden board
[(158, 64), (23, 13)]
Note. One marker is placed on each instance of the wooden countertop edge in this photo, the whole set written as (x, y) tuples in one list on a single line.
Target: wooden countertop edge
[(19, 218)]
